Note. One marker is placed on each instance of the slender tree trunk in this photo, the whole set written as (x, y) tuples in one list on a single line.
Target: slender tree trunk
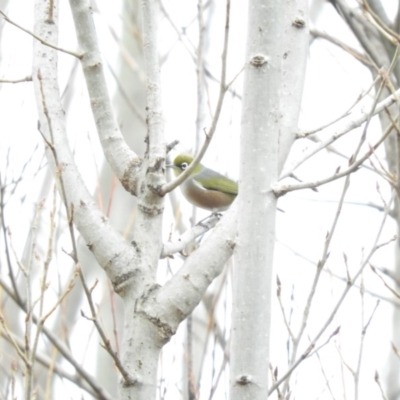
[(277, 33), (129, 103)]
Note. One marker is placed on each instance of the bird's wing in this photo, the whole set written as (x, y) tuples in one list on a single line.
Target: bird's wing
[(220, 183)]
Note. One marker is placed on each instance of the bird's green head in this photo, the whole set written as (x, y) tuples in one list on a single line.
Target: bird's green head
[(181, 162)]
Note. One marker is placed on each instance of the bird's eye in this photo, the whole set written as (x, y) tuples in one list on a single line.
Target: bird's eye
[(184, 165)]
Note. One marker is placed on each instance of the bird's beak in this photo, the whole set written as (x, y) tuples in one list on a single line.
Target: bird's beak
[(171, 166)]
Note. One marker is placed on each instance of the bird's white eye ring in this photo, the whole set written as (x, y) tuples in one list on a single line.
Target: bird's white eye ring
[(184, 165)]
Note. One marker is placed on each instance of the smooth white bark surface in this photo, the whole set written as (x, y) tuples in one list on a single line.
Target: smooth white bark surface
[(130, 266), (122, 160), (275, 58), (111, 251)]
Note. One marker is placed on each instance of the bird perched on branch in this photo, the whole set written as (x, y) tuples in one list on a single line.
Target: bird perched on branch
[(205, 188)]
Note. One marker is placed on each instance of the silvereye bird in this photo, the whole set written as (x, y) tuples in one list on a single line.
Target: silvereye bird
[(205, 188)]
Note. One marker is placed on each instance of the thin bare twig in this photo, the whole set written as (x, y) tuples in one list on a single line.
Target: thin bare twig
[(346, 125), (307, 133), (44, 42), (175, 246), (378, 382), (393, 291), (376, 246), (69, 210), (61, 347), (345, 279), (29, 351), (320, 267), (48, 363), (26, 79), (285, 320), (350, 50), (281, 190), (6, 243), (168, 187), (388, 33), (362, 341), (374, 108)]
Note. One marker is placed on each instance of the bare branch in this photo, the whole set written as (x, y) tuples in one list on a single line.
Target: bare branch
[(329, 320), (307, 133), (124, 162), (51, 365), (337, 130), (168, 187), (191, 234), (62, 348), (378, 382), (71, 53), (281, 190), (203, 265), (26, 79), (352, 51)]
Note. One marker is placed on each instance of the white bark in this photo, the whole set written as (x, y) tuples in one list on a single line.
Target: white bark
[(122, 160), (143, 336), (173, 302), (130, 267), (111, 251), (152, 314), (275, 59), (129, 102), (154, 317)]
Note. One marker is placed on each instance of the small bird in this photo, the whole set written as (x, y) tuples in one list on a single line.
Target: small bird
[(205, 188)]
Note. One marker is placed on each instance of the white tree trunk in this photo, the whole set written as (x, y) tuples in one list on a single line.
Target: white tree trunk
[(275, 59)]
